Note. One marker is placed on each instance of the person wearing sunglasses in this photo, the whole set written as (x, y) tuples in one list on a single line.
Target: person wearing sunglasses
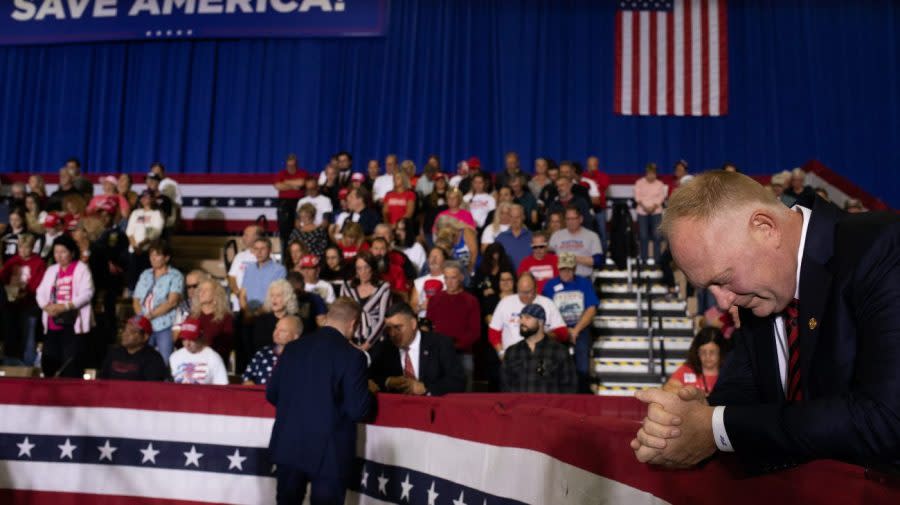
[(542, 264)]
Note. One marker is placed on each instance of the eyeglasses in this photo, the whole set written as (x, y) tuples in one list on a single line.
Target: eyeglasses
[(539, 246), (191, 286)]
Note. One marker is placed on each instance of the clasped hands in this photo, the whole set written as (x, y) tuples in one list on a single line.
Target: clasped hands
[(677, 432), (405, 385)]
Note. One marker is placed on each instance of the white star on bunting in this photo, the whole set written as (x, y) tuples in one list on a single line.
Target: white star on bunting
[(432, 496), (66, 450), (231, 202), (365, 478), (25, 448), (404, 494), (460, 500), (149, 454), (382, 484), (236, 460), (192, 457), (249, 202), (106, 451)]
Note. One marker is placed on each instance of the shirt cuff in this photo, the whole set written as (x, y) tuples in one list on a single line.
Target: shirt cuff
[(719, 433)]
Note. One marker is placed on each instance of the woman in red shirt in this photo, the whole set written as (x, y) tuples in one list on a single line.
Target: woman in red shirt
[(701, 369), (213, 313), (400, 203)]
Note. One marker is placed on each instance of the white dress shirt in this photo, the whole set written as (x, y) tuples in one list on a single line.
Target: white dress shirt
[(413, 351), (781, 347)]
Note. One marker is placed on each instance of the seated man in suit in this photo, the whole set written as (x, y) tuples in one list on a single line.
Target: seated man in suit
[(415, 362), (320, 391), (814, 374)]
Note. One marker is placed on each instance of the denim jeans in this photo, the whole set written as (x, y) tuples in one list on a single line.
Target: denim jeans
[(162, 341), (600, 217), (583, 344), (648, 229)]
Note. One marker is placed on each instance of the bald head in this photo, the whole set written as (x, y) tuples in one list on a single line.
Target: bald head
[(287, 330)]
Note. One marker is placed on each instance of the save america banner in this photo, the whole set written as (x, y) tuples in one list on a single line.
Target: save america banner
[(58, 21)]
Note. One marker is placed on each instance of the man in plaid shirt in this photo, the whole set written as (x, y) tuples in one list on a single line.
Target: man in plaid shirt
[(537, 364)]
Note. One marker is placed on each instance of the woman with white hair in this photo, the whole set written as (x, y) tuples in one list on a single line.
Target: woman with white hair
[(281, 301)]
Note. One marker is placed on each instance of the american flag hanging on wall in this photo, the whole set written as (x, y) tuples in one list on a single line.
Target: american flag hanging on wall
[(671, 58)]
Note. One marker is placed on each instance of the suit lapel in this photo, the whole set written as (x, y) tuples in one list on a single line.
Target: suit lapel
[(425, 357), (815, 284), (815, 287)]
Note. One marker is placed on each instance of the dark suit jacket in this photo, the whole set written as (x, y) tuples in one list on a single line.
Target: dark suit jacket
[(439, 366), (849, 354), (320, 391)]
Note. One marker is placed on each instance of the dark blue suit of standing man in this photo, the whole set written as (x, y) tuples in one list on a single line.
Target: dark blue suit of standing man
[(320, 391)]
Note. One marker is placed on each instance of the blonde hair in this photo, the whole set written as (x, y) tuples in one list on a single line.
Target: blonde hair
[(501, 207), (307, 208), (287, 292), (708, 194), (404, 178), (457, 193), (221, 307)]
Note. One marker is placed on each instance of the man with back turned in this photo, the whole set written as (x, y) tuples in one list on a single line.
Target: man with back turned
[(320, 391)]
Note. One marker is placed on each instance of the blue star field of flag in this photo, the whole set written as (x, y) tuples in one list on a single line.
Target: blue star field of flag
[(646, 5)]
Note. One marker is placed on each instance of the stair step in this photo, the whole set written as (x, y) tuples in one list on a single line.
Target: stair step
[(633, 312), (632, 304), (623, 274), (620, 389), (641, 379), (615, 366), (673, 344), (673, 323), (655, 288), (642, 332)]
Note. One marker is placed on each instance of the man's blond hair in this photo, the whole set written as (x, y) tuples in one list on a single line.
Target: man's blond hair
[(710, 193)]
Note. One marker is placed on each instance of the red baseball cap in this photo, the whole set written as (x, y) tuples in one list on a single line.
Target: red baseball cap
[(358, 177), (474, 162), (440, 175), (51, 220), (190, 329), (109, 178), (342, 194), (309, 261), (142, 323)]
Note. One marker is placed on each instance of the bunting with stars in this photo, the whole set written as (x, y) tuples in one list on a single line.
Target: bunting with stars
[(111, 442)]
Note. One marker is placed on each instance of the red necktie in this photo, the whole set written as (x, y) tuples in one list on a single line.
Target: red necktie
[(791, 313), (408, 371)]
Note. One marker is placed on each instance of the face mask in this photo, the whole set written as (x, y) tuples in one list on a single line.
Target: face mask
[(527, 332)]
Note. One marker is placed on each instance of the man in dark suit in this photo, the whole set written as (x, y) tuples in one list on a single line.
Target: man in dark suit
[(320, 391), (415, 362), (815, 373)]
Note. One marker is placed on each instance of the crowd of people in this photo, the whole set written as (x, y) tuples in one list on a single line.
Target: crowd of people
[(461, 277)]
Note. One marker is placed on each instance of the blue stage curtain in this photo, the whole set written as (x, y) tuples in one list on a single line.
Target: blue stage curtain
[(808, 79)]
